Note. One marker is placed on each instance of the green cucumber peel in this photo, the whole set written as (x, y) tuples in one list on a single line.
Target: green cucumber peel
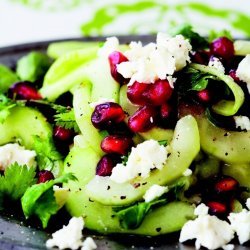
[(224, 107)]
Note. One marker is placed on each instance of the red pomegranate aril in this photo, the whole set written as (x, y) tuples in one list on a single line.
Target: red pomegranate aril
[(63, 134), (136, 91), (44, 176), (116, 58), (226, 184), (143, 119), (165, 111), (107, 114), (24, 91), (222, 47), (201, 57), (217, 207), (204, 95), (105, 165), (158, 93), (232, 73), (116, 144)]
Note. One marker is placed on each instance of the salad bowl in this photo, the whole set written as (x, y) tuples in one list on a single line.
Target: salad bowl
[(15, 233)]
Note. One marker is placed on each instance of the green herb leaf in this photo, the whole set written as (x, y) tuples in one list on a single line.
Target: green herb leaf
[(66, 119), (15, 181), (197, 41), (163, 143), (47, 155), (33, 66), (133, 216), (7, 78), (199, 80), (39, 199), (5, 105), (213, 34)]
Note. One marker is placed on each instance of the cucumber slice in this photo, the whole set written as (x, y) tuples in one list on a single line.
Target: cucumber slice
[(83, 111), (56, 50), (241, 172), (22, 125), (242, 47), (184, 147), (228, 146), (66, 72), (169, 218)]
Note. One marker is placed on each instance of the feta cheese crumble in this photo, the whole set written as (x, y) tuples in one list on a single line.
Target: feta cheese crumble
[(217, 64), (89, 244), (69, 236), (143, 158), (13, 152), (187, 172), (242, 122), (111, 45), (240, 223), (154, 192), (209, 231), (155, 60), (243, 71)]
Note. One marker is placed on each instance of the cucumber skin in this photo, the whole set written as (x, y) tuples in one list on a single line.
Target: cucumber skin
[(82, 162)]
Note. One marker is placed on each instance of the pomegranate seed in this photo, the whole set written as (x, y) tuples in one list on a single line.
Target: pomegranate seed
[(135, 93), (166, 110), (232, 73), (24, 91), (106, 164), (116, 58), (116, 144), (63, 134), (158, 92), (226, 184), (222, 47), (201, 57), (107, 114), (217, 207), (143, 119), (44, 176), (204, 95)]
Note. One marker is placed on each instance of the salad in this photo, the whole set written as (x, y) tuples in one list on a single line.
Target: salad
[(131, 138)]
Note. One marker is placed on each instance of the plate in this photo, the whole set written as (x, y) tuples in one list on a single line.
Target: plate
[(18, 234)]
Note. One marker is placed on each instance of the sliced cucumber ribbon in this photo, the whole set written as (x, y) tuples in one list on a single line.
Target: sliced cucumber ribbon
[(224, 107), (241, 47)]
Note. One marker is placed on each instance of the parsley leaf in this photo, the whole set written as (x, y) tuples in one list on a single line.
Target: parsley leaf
[(199, 80), (39, 199), (163, 142), (47, 155), (7, 78), (15, 181), (216, 34), (197, 41), (67, 120), (6, 105), (133, 216)]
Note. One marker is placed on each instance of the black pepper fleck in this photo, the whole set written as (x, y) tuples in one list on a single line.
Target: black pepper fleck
[(123, 197)]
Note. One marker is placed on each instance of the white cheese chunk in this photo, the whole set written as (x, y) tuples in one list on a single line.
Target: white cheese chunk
[(89, 244), (243, 71), (242, 122), (13, 152), (111, 45), (217, 64), (228, 247), (69, 236), (156, 60), (154, 192), (187, 172), (143, 158), (209, 231), (240, 222)]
